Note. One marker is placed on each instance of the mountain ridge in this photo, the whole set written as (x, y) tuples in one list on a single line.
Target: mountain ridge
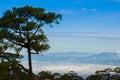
[(105, 58)]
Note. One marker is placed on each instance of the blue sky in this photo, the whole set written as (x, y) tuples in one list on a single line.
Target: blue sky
[(87, 25)]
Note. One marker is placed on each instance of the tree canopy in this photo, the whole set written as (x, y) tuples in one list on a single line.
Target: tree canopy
[(22, 28)]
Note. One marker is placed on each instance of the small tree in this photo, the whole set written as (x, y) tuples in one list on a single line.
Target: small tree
[(106, 74), (94, 77), (22, 27), (45, 75), (10, 68), (71, 76)]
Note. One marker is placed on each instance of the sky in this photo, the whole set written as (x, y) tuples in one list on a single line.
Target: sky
[(86, 26)]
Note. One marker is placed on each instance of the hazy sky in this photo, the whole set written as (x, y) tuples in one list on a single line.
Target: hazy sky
[(87, 25)]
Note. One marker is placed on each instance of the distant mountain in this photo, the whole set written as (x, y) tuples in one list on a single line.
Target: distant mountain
[(59, 57), (106, 58)]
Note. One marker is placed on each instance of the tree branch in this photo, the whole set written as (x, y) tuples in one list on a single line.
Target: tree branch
[(27, 70), (16, 43)]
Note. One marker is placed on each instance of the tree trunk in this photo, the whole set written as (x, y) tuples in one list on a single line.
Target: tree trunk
[(30, 63)]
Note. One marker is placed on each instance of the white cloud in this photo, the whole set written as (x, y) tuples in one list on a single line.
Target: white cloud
[(118, 53), (76, 1), (84, 9), (67, 12), (102, 36), (81, 68), (83, 35), (64, 67), (88, 10), (93, 10)]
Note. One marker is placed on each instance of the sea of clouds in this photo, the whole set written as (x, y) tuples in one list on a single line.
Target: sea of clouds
[(64, 67)]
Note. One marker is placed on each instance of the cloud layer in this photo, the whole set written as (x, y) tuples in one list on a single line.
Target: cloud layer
[(66, 67), (83, 34)]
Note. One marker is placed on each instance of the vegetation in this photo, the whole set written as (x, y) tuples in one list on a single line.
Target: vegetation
[(22, 28), (46, 75), (12, 71), (106, 74)]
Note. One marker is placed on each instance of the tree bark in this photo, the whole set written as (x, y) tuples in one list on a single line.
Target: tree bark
[(30, 63)]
